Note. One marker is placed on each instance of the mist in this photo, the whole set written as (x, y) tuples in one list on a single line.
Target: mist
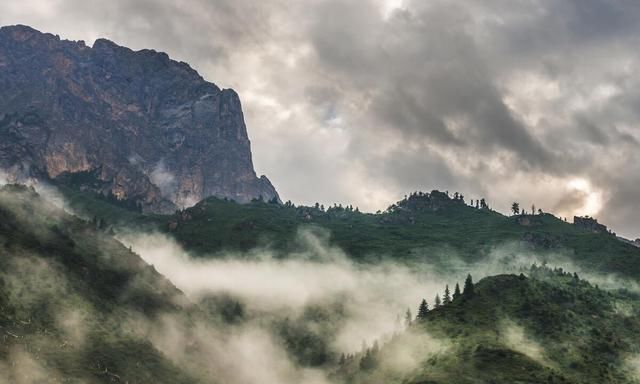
[(361, 304), (373, 295)]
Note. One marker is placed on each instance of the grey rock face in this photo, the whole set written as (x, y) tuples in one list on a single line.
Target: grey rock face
[(149, 128)]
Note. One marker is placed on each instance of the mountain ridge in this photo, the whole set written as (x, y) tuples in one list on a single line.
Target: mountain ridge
[(425, 227)]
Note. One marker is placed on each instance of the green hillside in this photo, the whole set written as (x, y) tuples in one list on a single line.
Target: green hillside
[(79, 307), (67, 292), (547, 327), (423, 227)]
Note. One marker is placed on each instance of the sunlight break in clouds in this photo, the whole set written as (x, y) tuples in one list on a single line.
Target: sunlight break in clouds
[(593, 199)]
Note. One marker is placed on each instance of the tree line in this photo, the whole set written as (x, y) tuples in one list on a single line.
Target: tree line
[(368, 356), (447, 298)]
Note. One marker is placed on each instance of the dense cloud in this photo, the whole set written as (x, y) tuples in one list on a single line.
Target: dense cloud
[(362, 102)]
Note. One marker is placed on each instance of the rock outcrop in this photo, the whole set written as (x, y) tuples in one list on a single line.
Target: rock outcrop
[(149, 129), (589, 224)]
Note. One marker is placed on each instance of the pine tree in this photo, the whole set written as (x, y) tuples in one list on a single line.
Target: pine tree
[(447, 295), (407, 318), (468, 286), (437, 301), (375, 348), (423, 309), (369, 360), (364, 361), (342, 359), (456, 292)]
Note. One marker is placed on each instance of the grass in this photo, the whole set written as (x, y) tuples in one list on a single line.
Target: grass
[(429, 227)]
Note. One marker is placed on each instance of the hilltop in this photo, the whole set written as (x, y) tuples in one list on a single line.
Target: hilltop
[(425, 227), (547, 326)]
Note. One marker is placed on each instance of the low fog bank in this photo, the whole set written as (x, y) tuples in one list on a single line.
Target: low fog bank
[(371, 297), (318, 292), (214, 352)]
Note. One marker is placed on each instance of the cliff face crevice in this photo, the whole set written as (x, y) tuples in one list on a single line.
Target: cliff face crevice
[(151, 128)]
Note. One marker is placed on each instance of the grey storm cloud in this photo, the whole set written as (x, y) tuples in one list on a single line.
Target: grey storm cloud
[(362, 102)]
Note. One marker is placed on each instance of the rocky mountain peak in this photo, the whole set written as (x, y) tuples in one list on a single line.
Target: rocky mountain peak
[(146, 127)]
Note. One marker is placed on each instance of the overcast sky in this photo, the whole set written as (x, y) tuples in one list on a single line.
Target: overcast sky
[(361, 102)]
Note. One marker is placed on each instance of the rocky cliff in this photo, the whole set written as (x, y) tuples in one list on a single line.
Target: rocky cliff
[(145, 127)]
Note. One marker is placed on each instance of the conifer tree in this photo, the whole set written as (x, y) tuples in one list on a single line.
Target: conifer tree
[(446, 299), (456, 292), (364, 361), (437, 301), (468, 286), (407, 318), (423, 309), (369, 359)]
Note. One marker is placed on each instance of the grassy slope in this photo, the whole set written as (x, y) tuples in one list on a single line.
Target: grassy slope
[(573, 333), (417, 228), (89, 205)]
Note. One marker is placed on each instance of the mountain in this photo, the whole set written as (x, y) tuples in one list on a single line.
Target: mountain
[(131, 125)]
